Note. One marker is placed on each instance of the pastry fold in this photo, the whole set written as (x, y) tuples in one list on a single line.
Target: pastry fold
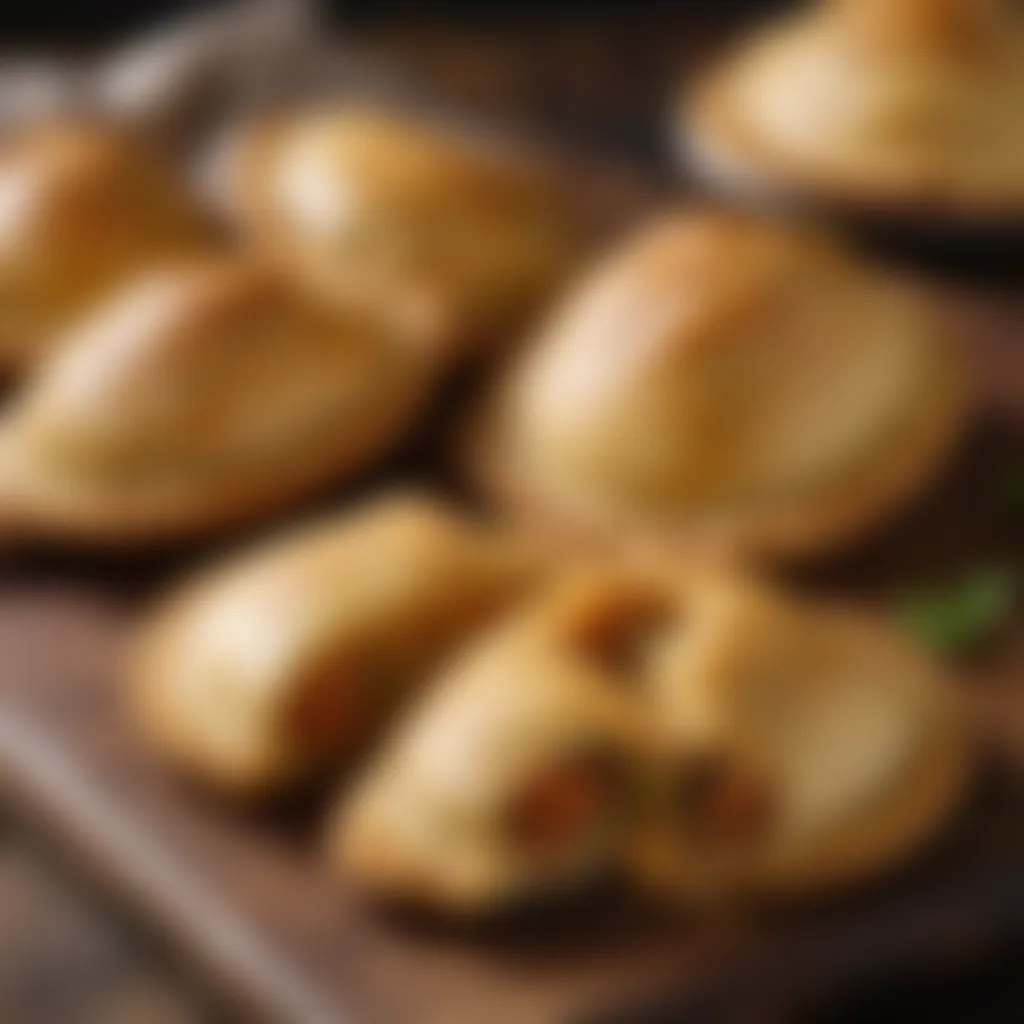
[(84, 208), (458, 235), (724, 383), (281, 663), (201, 397)]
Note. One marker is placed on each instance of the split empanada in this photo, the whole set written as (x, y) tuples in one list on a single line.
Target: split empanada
[(901, 105), (285, 660), (723, 739), (457, 233), (83, 208), (727, 383), (199, 398)]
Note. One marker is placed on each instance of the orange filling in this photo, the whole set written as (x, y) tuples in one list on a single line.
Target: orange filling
[(723, 803), (561, 808)]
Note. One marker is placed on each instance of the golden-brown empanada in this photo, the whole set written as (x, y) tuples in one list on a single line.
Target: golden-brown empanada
[(722, 738), (512, 778), (457, 233), (202, 396), (729, 383), (83, 208), (284, 660), (806, 746), (906, 105)]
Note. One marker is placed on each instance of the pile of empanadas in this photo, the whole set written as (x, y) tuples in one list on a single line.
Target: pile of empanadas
[(188, 369), (581, 669), (513, 728)]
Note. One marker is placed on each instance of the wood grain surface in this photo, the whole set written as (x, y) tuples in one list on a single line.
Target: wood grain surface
[(65, 959)]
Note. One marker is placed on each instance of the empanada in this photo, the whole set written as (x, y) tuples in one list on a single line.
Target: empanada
[(906, 106), (286, 659), (201, 397), (719, 738), (728, 383), (83, 208), (457, 233), (511, 781), (807, 746)]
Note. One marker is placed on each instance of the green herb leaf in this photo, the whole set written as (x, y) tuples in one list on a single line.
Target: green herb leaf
[(955, 619)]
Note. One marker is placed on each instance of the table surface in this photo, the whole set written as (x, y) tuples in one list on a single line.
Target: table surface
[(67, 958)]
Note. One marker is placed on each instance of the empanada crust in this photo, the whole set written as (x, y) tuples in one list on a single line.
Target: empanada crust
[(910, 107), (855, 744), (864, 745), (729, 387), (366, 603), (85, 208), (461, 236), (202, 397), (429, 823)]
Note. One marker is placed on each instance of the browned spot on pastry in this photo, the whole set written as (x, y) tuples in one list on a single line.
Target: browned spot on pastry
[(955, 27), (617, 635)]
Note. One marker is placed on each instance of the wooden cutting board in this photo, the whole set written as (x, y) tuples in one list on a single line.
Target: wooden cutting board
[(245, 898)]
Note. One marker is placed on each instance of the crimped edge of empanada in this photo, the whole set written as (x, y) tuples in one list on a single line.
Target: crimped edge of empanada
[(31, 513)]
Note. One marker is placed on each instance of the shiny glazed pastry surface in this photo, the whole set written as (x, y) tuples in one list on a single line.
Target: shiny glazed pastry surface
[(457, 233), (285, 660), (724, 382), (722, 739), (912, 103), (806, 746), (83, 209), (200, 397)]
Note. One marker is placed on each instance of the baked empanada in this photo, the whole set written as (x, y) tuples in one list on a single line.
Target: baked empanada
[(83, 208), (444, 230), (201, 397), (720, 738), (285, 660), (511, 780), (727, 383), (806, 746), (901, 105)]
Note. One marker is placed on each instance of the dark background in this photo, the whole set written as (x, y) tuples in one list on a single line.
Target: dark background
[(70, 21), (592, 75)]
